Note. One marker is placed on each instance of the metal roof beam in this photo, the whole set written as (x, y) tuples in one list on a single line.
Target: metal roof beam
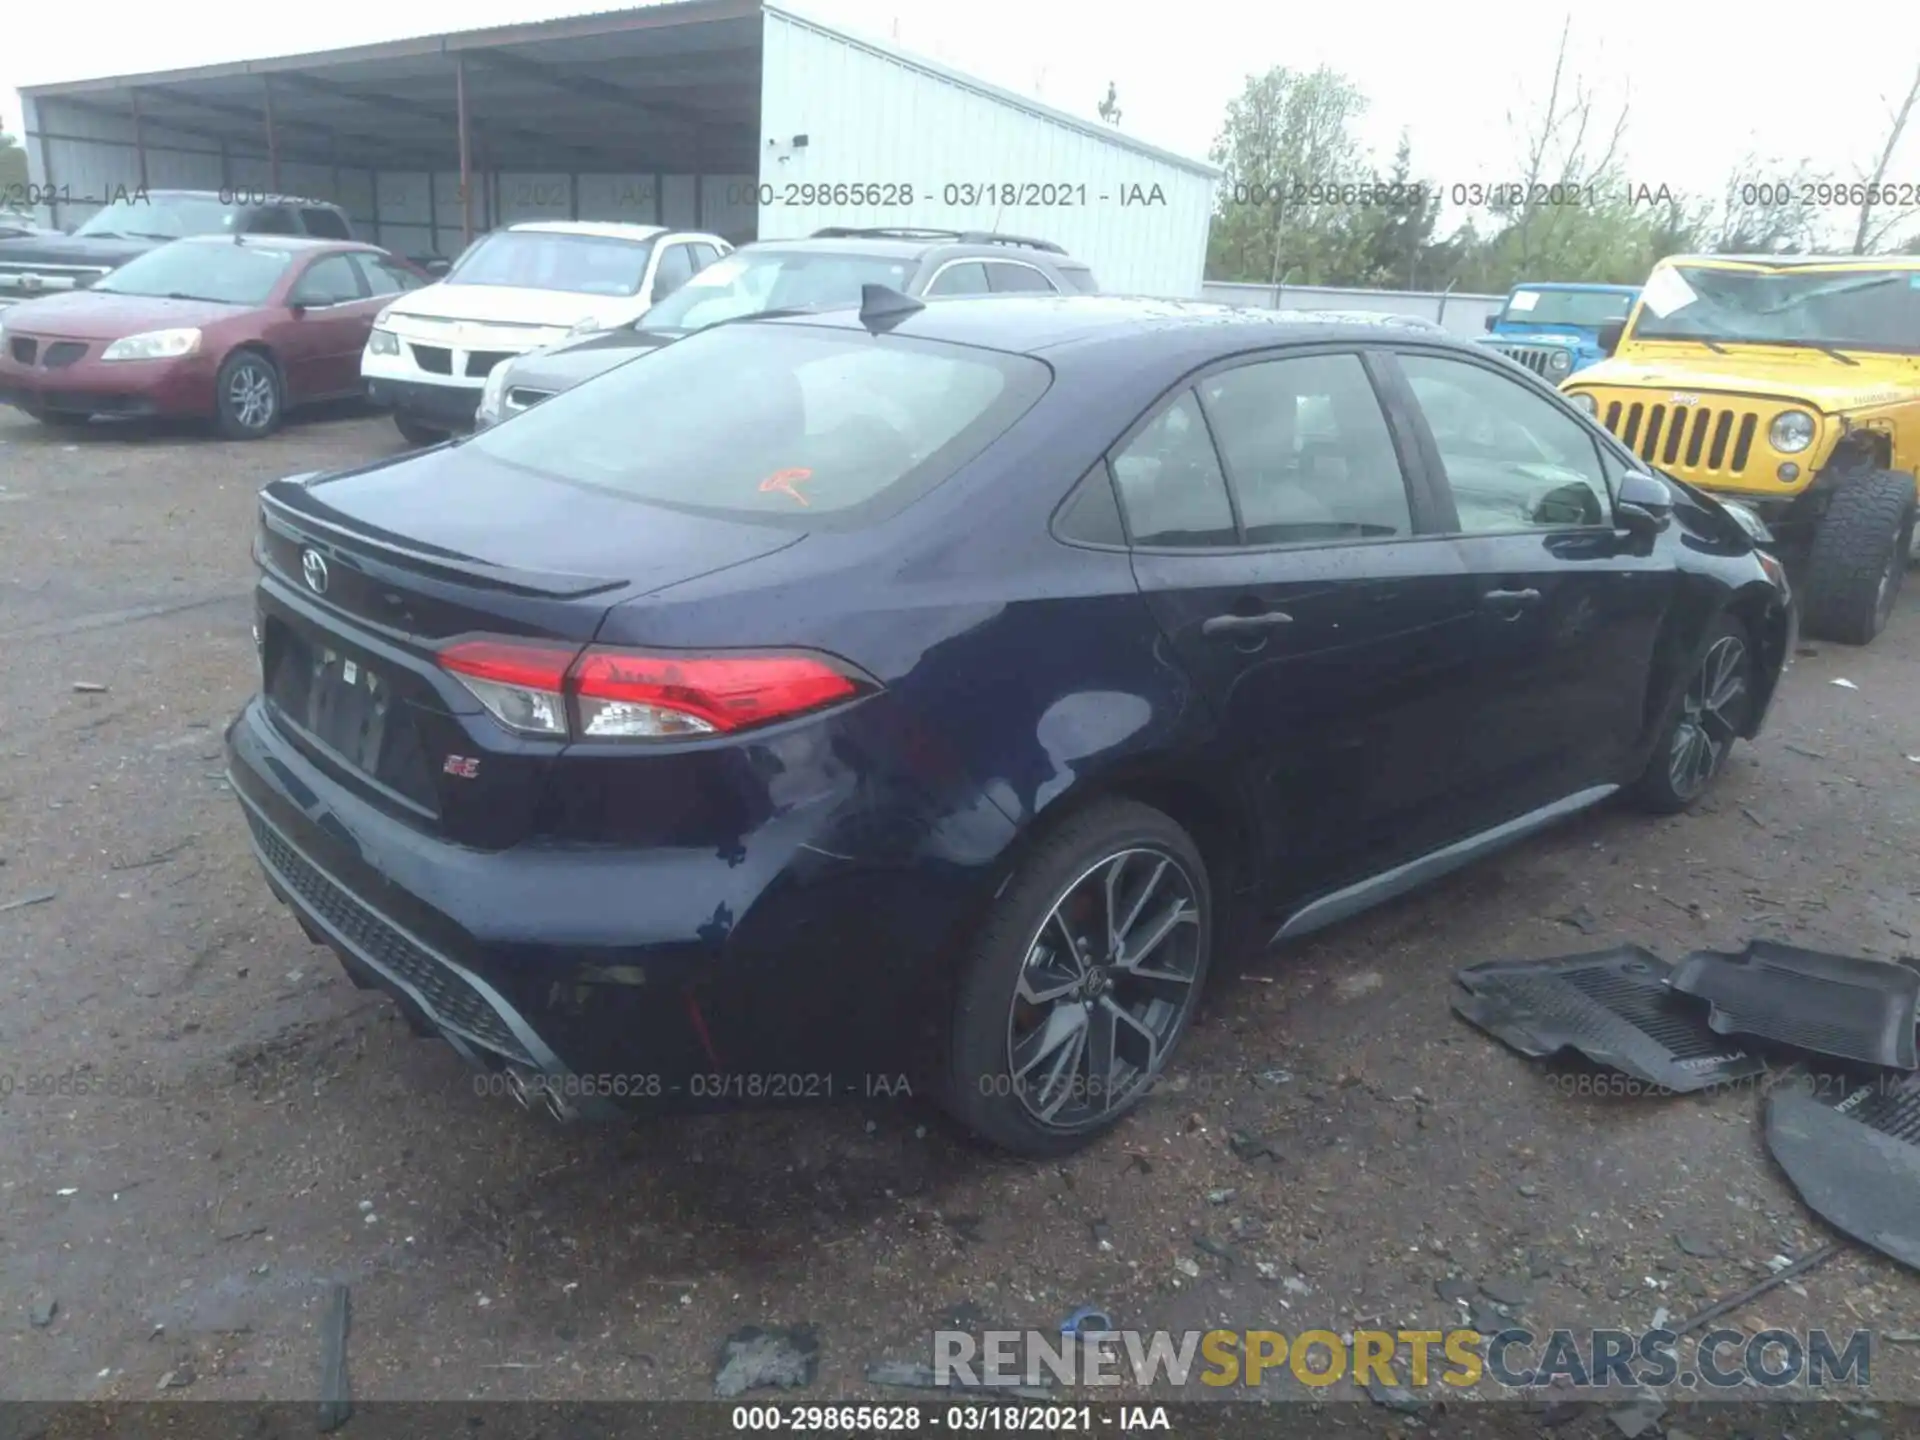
[(603, 90), (378, 143), (488, 131)]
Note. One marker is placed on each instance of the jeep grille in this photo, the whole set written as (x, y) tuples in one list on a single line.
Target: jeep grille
[(1713, 439), (1536, 358)]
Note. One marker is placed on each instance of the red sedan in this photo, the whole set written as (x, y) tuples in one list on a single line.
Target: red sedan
[(238, 329)]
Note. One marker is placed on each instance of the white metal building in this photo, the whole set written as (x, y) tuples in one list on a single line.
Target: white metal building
[(726, 115)]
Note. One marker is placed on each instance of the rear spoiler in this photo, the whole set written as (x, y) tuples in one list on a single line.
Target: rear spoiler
[(290, 508)]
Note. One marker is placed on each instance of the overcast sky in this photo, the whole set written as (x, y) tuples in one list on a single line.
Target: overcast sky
[(1703, 90)]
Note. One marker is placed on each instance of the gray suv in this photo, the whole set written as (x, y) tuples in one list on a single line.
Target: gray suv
[(822, 272)]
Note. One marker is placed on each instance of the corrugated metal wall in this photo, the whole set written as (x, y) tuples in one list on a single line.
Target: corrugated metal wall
[(1461, 313), (875, 119), (90, 157)]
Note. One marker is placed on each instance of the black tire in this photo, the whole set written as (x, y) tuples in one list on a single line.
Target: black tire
[(249, 397), (415, 433), (1066, 869), (1702, 723), (1859, 557)]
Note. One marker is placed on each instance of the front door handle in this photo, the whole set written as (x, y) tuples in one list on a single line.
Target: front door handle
[(1243, 624), (1501, 598)]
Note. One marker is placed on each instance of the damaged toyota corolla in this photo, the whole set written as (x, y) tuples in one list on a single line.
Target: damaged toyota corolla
[(907, 692)]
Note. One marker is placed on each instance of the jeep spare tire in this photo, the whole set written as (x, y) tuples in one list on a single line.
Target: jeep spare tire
[(1859, 556)]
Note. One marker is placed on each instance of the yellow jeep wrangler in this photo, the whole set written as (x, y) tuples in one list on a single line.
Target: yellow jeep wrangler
[(1790, 384)]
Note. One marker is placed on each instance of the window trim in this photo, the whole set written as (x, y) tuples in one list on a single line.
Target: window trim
[(1436, 464), (1419, 501), (946, 265), (1104, 472), (293, 291)]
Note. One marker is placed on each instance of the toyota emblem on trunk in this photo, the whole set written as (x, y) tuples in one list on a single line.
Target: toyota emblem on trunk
[(314, 567)]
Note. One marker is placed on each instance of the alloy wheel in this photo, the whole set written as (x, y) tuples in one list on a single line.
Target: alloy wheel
[(1108, 981), (250, 396), (1710, 716)]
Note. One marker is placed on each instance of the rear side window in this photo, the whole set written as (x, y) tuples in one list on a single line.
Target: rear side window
[(704, 255), (1005, 277), (274, 220), (329, 224), (783, 424), (1308, 451), (1080, 279), (1170, 482), (383, 276)]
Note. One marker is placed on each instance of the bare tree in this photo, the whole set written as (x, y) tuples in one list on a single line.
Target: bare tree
[(1866, 235), (1555, 149)]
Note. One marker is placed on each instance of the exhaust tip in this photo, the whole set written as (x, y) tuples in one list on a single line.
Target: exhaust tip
[(518, 1086), (559, 1108)]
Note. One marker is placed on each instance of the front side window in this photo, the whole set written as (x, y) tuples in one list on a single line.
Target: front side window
[(781, 424), (330, 280), (553, 260), (969, 278), (1170, 483), (384, 277), (163, 217), (748, 281), (1308, 451), (1514, 459), (274, 220), (219, 271)]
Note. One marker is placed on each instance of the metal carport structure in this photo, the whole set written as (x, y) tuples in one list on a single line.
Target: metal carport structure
[(734, 116)]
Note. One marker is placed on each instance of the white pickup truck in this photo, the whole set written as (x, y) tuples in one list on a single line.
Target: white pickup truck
[(515, 290)]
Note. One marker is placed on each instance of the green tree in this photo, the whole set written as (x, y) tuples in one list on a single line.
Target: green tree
[(1287, 138), (1397, 228)]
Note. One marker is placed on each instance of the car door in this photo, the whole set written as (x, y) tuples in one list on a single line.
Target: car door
[(1570, 604), (1282, 539), (332, 312)]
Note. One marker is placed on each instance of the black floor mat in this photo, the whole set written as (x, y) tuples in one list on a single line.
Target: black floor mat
[(1612, 1006), (1837, 1005), (1851, 1147)]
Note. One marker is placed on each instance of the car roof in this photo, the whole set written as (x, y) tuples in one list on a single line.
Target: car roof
[(914, 247), (252, 201), (278, 242), (1789, 262), (1044, 324), (604, 229)]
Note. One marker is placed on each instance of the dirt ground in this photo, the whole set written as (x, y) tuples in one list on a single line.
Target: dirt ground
[(257, 1128)]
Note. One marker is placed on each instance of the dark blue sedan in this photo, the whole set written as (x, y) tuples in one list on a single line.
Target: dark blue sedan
[(833, 705)]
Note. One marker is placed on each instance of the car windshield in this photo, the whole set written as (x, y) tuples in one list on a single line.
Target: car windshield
[(750, 281), (551, 260), (229, 274), (1592, 308), (161, 217), (1851, 308), (791, 425)]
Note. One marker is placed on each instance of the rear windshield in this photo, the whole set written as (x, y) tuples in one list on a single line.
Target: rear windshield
[(750, 280), (546, 260), (794, 425), (229, 273), (1566, 307)]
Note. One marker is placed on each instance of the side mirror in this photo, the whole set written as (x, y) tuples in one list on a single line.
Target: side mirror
[(1644, 504), (1610, 335), (298, 307), (1492, 320)]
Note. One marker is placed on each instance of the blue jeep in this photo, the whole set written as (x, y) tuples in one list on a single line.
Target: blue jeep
[(1554, 329)]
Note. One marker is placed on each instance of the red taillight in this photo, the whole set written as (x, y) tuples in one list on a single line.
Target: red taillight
[(606, 693)]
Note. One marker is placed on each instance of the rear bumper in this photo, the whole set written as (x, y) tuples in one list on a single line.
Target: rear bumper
[(630, 979), (182, 388)]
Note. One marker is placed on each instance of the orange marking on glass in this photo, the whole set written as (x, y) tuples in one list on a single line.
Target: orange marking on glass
[(785, 480)]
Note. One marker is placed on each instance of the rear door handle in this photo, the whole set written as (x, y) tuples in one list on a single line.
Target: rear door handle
[(1243, 624)]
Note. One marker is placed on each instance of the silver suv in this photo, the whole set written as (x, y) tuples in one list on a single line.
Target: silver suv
[(822, 272)]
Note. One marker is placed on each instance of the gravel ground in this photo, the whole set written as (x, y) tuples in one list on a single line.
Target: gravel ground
[(257, 1128)]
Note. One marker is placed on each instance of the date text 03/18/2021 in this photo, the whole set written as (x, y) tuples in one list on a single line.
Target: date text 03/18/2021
[(986, 1417)]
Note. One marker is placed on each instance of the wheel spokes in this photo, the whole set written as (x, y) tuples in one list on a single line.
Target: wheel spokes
[(1133, 959)]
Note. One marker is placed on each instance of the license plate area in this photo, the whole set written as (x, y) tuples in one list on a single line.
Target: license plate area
[(349, 708)]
